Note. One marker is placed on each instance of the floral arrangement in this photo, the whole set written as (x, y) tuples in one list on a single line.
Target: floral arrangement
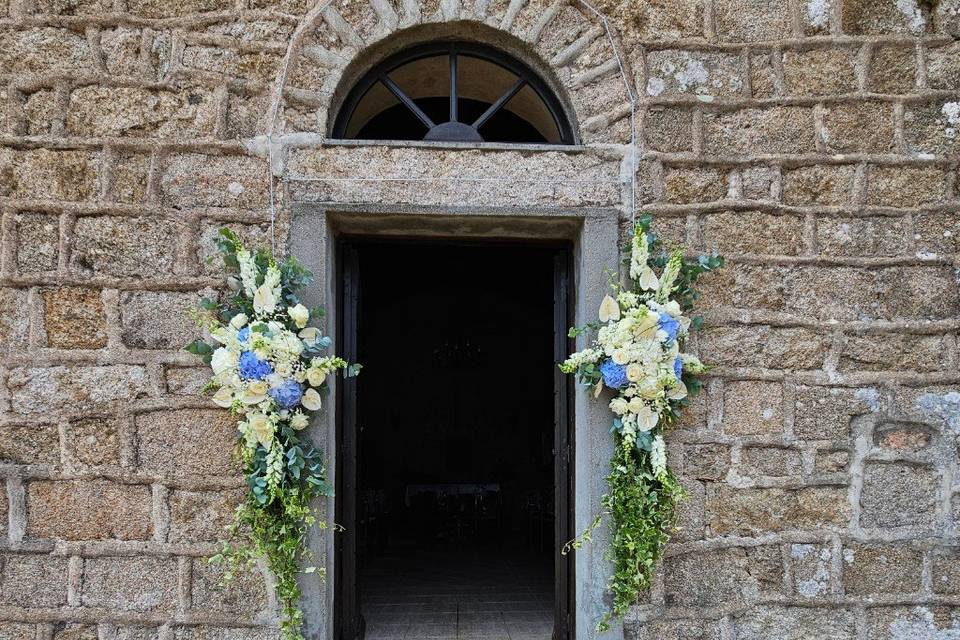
[(639, 354), (270, 369)]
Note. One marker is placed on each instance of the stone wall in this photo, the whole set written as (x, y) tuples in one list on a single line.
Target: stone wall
[(814, 142)]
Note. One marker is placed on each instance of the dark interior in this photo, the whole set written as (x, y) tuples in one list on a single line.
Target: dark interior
[(455, 407)]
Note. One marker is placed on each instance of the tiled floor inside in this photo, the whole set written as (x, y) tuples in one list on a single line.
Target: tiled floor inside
[(452, 595)]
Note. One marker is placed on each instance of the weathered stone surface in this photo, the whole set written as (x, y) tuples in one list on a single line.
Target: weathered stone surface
[(883, 16), (818, 184), (121, 51), (753, 232), (186, 442), (655, 19), (943, 66), (687, 629), (753, 286), (762, 346), (753, 407), (764, 81), (204, 632), (93, 442), (74, 318), (795, 623), (130, 583), (14, 321), (38, 238), (818, 72), (671, 73), (903, 436), (751, 512), (751, 20), (47, 174), (811, 566), (946, 571), (881, 568), (124, 247), (843, 130), (933, 128), (244, 596), (893, 69), (161, 9), (760, 131), (832, 461), (706, 461), (912, 622), (930, 293), (43, 50), (936, 233), (217, 181), (898, 494), (905, 186), (135, 112), (757, 182), (17, 631), (38, 389), (690, 512), (893, 352), (130, 174), (731, 580), (33, 580), (861, 237), (832, 293), (75, 631), (187, 381), (157, 320), (40, 109), (824, 413), (769, 461), (211, 261), (201, 516), (88, 510), (29, 443), (668, 129), (684, 185)]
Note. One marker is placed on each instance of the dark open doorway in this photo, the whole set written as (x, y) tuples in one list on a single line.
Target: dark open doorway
[(453, 454)]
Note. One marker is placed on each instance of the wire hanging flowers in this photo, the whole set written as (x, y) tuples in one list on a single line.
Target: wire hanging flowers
[(639, 354), (270, 369)]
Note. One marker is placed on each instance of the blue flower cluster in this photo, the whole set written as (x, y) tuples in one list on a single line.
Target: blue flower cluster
[(244, 334), (614, 375), (678, 367), (670, 325), (288, 394), (252, 367)]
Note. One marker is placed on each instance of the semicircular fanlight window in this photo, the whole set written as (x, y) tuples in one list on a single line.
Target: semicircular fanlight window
[(453, 91)]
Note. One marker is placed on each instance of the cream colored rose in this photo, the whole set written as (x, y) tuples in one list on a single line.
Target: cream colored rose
[(316, 376), (619, 406), (634, 372), (609, 309), (620, 356), (300, 315), (223, 397), (311, 400), (261, 428), (256, 392)]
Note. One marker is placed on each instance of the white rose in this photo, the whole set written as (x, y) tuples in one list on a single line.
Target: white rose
[(238, 320), (618, 406), (299, 421), (300, 315), (222, 360), (677, 392), (263, 300), (316, 376), (310, 335), (261, 427), (634, 372), (223, 397), (673, 308), (620, 356), (311, 400), (256, 392)]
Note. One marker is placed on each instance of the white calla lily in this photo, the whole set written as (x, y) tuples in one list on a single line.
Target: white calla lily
[(648, 279), (264, 301), (609, 309)]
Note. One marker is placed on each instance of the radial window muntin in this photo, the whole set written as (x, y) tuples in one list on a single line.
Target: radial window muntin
[(526, 110)]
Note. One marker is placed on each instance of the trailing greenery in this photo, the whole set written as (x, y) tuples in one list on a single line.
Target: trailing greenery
[(639, 352)]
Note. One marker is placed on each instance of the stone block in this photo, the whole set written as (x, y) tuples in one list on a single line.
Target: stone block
[(871, 569), (933, 128), (756, 182), (946, 571), (33, 580), (187, 381), (201, 516), (753, 232), (863, 17), (690, 512), (93, 442), (685, 185), (42, 389), (40, 109), (781, 129), (50, 174), (15, 321), (17, 630), (686, 629), (815, 16), (246, 116), (678, 73), (811, 566), (861, 236), (753, 407), (120, 48), (762, 346), (75, 631), (898, 494), (903, 436), (205, 632), (795, 623), (753, 512), (43, 50), (824, 413), (706, 461), (946, 17), (708, 579), (74, 318), (135, 112), (123, 247), (832, 461), (131, 171), (832, 293), (187, 442), (943, 66), (38, 242), (243, 596), (844, 131), (908, 186), (253, 66), (893, 69), (130, 583), (770, 461), (923, 622), (88, 510), (182, 8), (764, 81), (936, 233), (157, 320), (748, 286), (751, 20), (29, 443), (192, 180), (929, 293), (668, 129), (894, 352), (829, 184), (661, 19), (819, 72)]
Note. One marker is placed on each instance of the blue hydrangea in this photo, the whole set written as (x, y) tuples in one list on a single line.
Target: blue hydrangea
[(614, 375), (670, 325), (287, 394), (252, 367), (678, 367), (244, 334)]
